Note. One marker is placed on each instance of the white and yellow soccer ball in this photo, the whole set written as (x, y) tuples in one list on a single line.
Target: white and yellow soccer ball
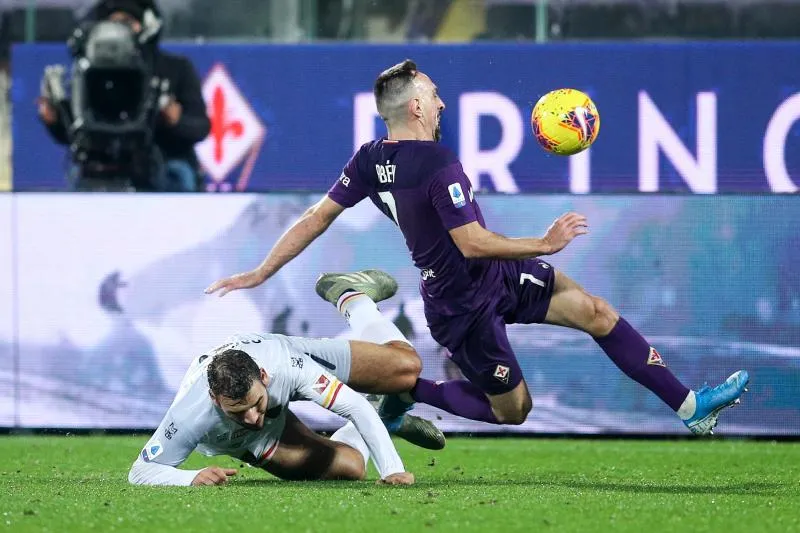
[(565, 121)]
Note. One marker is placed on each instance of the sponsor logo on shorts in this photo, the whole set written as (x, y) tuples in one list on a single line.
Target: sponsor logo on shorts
[(457, 195), (502, 373), (655, 358), (321, 384), (427, 274), (151, 451), (170, 430)]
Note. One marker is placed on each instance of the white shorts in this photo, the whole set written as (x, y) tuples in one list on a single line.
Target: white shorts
[(332, 354)]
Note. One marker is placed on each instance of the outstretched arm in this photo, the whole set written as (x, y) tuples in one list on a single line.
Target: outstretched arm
[(308, 227), (313, 383), (167, 449), (450, 193), (475, 241)]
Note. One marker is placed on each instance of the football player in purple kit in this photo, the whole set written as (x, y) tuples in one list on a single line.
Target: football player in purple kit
[(474, 281)]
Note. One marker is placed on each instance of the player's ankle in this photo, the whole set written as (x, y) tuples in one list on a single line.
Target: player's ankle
[(347, 295), (405, 397), (688, 407)]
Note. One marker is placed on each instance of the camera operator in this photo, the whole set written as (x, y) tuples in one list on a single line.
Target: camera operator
[(179, 119)]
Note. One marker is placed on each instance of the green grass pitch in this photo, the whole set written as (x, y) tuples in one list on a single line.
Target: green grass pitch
[(65, 484)]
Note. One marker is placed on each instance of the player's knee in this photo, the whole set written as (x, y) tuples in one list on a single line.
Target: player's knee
[(603, 317), (358, 472), (512, 417), (355, 469), (409, 367), (515, 414), (412, 368)]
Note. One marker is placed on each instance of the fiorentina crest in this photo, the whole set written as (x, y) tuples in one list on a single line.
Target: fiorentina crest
[(655, 358), (502, 373), (236, 136)]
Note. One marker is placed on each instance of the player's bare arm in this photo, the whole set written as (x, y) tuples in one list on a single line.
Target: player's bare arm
[(475, 241), (387, 461), (303, 232), (350, 405), (169, 447)]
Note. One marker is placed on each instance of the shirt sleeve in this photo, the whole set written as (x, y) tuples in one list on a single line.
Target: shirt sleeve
[(350, 188), (450, 192), (168, 448), (323, 388)]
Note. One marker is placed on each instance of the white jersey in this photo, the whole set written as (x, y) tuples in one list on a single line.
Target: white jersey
[(295, 369)]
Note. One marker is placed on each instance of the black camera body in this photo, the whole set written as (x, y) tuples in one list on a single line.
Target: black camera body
[(114, 103)]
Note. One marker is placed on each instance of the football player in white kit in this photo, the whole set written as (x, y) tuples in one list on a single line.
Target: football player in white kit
[(234, 400)]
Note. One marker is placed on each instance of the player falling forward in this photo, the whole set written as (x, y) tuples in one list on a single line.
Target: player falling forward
[(234, 401), (474, 281)]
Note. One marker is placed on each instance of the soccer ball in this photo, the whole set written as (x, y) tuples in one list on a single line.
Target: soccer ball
[(565, 121)]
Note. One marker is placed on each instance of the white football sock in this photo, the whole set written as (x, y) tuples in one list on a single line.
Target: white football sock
[(688, 407), (348, 434), (366, 321)]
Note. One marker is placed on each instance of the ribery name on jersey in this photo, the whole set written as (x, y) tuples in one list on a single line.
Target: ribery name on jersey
[(385, 172)]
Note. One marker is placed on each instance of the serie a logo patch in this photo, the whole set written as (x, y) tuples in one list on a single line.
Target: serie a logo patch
[(457, 195)]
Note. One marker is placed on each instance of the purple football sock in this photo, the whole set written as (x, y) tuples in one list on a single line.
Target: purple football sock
[(460, 398), (641, 362)]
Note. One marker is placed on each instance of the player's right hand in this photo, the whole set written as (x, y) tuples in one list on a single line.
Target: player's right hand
[(564, 229), (401, 478), (213, 475), (245, 280)]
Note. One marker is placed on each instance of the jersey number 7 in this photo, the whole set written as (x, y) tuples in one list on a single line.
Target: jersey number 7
[(388, 199)]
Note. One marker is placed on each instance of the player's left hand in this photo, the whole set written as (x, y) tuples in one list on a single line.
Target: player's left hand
[(401, 478), (564, 229), (245, 280)]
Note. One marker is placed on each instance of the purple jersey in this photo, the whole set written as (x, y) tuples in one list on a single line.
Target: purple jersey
[(422, 188)]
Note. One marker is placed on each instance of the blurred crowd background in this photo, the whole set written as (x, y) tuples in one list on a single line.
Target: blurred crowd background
[(299, 21), (429, 20)]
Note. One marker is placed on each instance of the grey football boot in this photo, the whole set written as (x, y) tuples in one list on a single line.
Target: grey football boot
[(418, 431), (379, 286), (376, 284)]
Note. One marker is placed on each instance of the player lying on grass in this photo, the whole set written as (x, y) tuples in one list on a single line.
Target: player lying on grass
[(235, 399), (474, 281)]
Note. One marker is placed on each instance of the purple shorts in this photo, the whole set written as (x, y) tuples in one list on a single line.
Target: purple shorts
[(478, 341)]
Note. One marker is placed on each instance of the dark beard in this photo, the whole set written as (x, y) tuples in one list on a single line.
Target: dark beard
[(437, 133)]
